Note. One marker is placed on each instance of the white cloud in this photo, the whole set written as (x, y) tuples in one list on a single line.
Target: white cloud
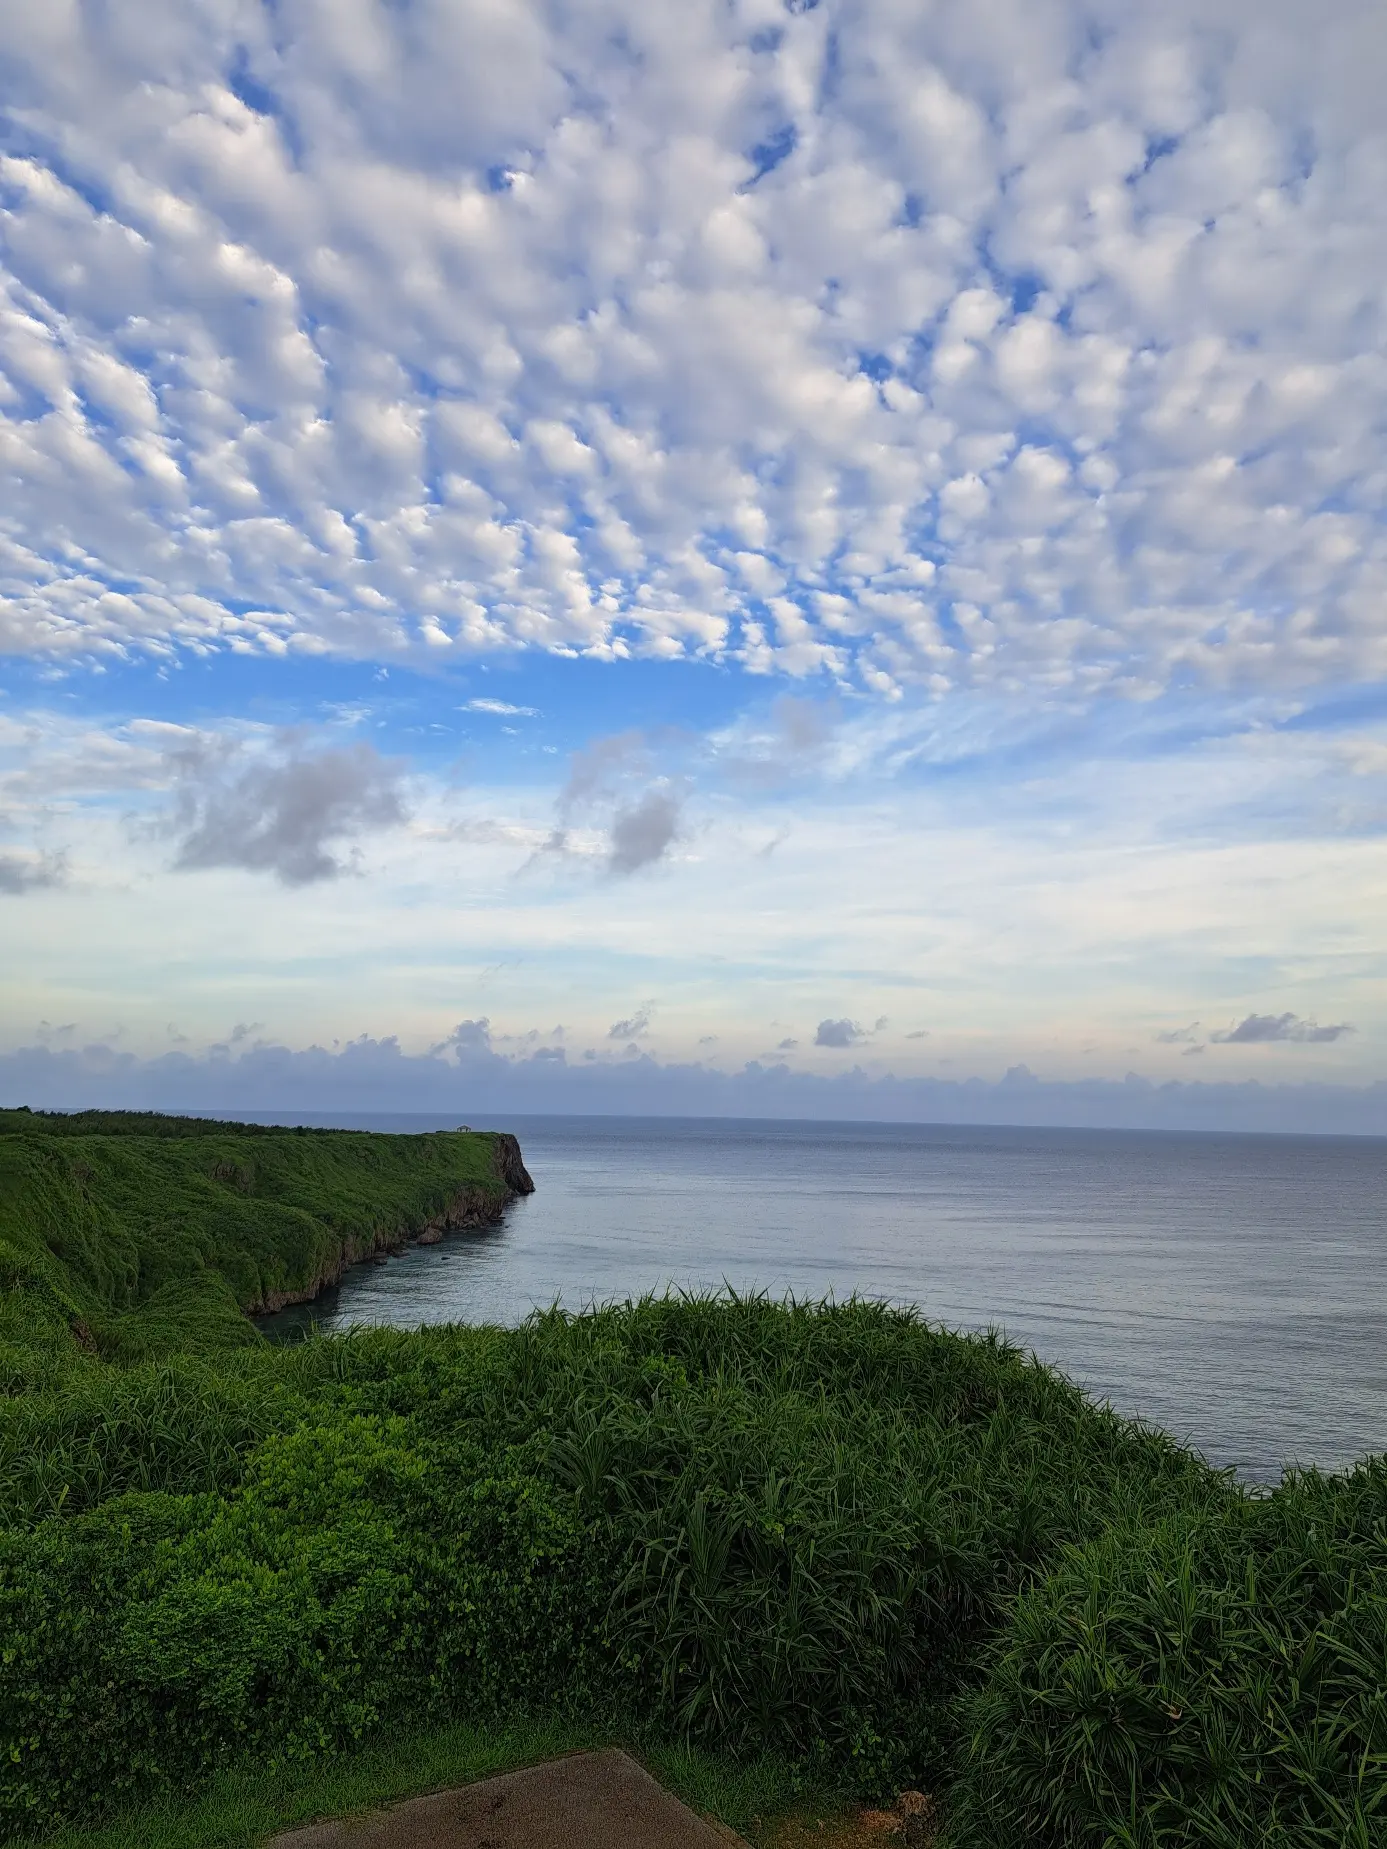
[(528, 359)]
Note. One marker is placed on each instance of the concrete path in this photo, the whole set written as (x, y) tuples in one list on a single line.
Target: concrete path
[(585, 1801)]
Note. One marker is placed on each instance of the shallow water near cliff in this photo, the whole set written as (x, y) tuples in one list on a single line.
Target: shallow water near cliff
[(1232, 1289)]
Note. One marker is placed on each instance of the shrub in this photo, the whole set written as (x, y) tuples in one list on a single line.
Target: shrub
[(342, 1583), (1211, 1679), (759, 1526)]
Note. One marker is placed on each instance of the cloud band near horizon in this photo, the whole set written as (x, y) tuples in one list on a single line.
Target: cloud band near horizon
[(470, 1079)]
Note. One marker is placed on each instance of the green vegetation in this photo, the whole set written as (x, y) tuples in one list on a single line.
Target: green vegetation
[(152, 1235), (827, 1543), (240, 1809), (1216, 1677), (24, 1122)]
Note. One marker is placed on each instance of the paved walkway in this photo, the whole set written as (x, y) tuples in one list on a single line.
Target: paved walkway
[(585, 1801)]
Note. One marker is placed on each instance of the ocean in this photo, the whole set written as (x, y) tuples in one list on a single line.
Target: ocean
[(1232, 1289)]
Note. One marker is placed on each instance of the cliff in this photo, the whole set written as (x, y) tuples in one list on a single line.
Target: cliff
[(131, 1231), (510, 1165), (475, 1204)]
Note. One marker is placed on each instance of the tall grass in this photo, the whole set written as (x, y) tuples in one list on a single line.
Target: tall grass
[(755, 1527), (156, 1238), (1214, 1677), (177, 1425)]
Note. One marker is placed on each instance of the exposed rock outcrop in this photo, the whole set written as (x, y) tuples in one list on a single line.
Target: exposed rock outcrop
[(510, 1165)]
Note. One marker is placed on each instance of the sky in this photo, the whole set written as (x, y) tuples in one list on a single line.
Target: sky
[(809, 558)]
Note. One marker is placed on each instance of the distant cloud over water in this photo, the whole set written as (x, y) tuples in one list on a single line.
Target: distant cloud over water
[(841, 1033), (632, 1027), (1256, 1029), (469, 1077)]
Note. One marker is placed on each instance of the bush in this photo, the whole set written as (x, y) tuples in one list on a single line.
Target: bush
[(342, 1583), (1210, 1680), (761, 1527), (94, 1432), (821, 1511)]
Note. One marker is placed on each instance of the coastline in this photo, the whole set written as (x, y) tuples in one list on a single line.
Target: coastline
[(883, 1552), (474, 1204)]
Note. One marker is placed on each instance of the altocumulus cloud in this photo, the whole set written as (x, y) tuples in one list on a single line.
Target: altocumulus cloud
[(909, 345), (281, 812)]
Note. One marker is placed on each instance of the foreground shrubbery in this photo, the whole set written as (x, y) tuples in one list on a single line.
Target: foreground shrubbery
[(1213, 1678), (892, 1554), (831, 1532), (765, 1526)]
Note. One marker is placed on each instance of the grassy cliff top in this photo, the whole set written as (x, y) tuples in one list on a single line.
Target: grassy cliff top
[(143, 1233)]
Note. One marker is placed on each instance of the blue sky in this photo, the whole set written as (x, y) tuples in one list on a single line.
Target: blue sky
[(845, 537)]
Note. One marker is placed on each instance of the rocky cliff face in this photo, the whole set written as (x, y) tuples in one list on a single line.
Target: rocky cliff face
[(510, 1165)]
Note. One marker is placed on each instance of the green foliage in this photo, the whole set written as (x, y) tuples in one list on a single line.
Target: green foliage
[(26, 1122), (90, 1432), (155, 1234), (820, 1511), (827, 1538), (240, 1808), (755, 1527), (1211, 1679), (341, 1584)]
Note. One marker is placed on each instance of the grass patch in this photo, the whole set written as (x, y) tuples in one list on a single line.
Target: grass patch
[(749, 1796), (241, 1809)]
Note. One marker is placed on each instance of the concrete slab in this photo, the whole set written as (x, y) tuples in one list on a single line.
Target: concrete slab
[(584, 1801)]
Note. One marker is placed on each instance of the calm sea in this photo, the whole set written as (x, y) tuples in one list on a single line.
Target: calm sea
[(1232, 1289)]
